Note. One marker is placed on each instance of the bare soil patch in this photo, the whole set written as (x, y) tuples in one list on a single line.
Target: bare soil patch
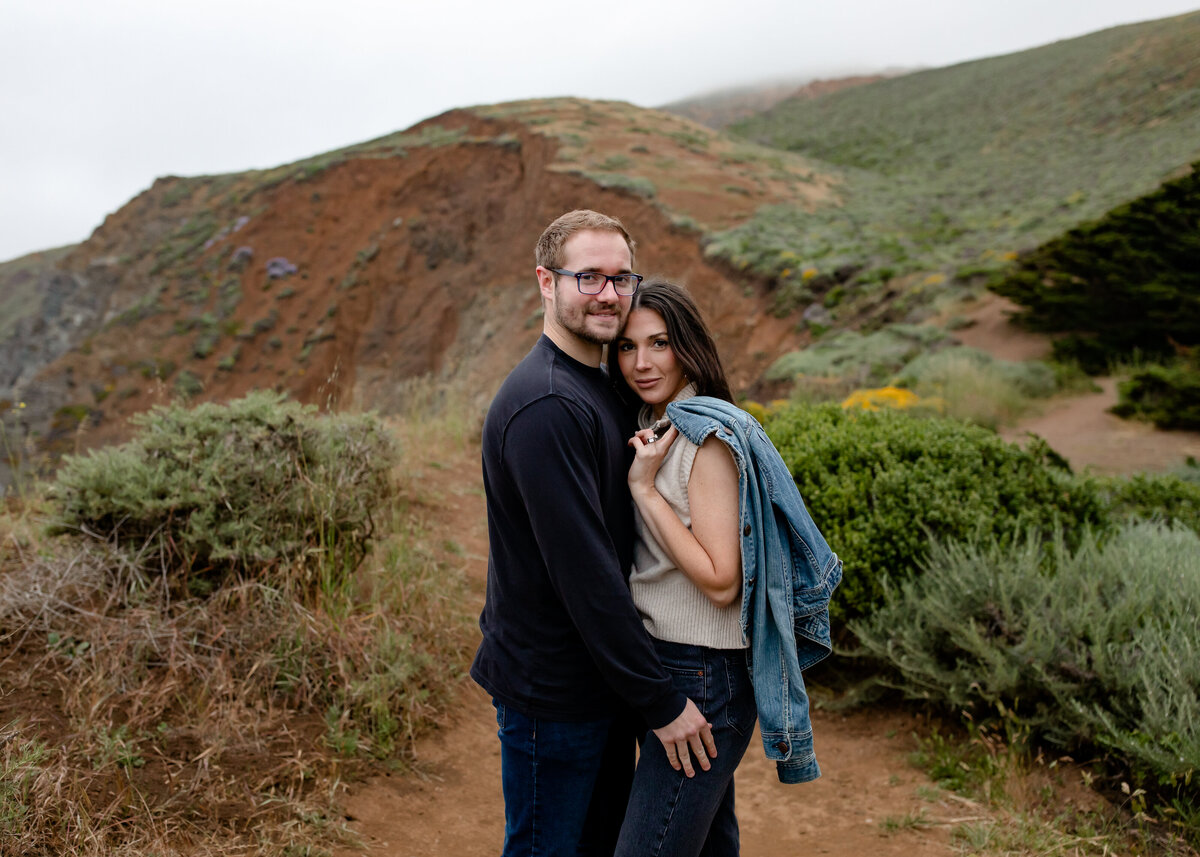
[(1080, 427)]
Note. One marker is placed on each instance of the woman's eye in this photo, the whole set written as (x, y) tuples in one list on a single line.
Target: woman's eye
[(624, 346), (661, 343)]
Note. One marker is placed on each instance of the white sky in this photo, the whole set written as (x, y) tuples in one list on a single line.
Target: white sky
[(99, 97)]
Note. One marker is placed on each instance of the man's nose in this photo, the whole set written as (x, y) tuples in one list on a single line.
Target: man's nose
[(608, 294)]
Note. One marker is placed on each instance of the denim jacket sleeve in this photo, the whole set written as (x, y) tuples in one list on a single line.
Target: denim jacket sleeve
[(788, 576)]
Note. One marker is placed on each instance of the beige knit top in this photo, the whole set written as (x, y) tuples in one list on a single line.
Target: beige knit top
[(671, 606)]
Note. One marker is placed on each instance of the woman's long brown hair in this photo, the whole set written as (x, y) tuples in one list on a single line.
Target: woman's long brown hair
[(689, 336)]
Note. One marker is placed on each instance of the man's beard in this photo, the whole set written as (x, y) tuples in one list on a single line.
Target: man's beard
[(578, 325)]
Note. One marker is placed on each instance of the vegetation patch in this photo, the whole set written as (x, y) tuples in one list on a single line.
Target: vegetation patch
[(1167, 395), (1093, 650), (879, 483), (237, 488), (156, 718)]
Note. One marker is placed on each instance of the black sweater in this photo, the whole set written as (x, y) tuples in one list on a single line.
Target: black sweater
[(561, 637)]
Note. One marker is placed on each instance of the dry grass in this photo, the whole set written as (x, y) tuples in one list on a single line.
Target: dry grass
[(135, 721), (1002, 800)]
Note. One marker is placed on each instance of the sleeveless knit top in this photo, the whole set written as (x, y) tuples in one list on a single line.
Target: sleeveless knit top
[(671, 606)]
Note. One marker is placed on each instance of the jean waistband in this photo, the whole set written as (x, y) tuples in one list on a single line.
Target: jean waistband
[(685, 650)]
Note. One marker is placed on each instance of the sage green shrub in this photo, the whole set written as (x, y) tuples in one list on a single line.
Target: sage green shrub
[(237, 487), (1093, 649), (1162, 496), (878, 484)]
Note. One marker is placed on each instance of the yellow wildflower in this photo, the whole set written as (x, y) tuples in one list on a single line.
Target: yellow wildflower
[(755, 409), (873, 400)]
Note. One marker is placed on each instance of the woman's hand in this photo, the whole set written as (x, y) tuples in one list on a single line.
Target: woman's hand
[(648, 457)]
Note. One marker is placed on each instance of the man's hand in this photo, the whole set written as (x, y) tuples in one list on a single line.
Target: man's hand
[(689, 731)]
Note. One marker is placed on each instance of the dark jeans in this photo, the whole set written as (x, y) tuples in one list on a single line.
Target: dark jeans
[(565, 784), (670, 815)]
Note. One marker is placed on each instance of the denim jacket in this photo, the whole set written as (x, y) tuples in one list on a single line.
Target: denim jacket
[(788, 576)]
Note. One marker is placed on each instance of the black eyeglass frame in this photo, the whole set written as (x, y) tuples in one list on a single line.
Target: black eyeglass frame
[(608, 278)]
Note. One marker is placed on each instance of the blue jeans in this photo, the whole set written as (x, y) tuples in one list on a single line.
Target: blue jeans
[(565, 784), (669, 814)]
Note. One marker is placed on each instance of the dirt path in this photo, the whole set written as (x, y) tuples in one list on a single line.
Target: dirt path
[(451, 805), (1079, 428)]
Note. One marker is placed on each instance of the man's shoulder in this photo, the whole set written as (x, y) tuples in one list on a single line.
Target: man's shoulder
[(546, 374)]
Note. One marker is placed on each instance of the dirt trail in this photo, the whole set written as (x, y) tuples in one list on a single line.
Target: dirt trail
[(1079, 428)]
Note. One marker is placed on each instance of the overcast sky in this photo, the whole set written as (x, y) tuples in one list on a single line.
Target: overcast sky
[(99, 97)]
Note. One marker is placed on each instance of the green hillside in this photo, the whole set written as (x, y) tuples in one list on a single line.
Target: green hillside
[(950, 172)]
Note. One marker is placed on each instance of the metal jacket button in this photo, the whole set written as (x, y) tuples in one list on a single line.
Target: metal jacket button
[(782, 746), (746, 530)]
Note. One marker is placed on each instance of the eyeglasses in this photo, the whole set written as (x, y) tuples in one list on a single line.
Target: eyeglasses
[(593, 282)]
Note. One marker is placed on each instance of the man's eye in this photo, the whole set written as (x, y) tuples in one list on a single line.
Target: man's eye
[(590, 279)]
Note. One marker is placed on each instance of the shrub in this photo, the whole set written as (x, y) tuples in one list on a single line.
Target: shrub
[(977, 387), (864, 360), (1168, 395), (1032, 378), (1166, 497), (234, 487), (1101, 651), (877, 483)]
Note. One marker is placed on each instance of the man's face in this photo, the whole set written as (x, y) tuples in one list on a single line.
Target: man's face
[(595, 319)]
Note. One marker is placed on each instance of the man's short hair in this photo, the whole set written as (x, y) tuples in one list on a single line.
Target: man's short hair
[(549, 249)]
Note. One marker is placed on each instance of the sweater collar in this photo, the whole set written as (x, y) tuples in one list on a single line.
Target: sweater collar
[(646, 414)]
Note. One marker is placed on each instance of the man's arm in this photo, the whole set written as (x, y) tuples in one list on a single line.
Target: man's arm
[(550, 453)]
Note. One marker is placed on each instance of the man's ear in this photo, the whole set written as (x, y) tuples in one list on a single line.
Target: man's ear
[(545, 282)]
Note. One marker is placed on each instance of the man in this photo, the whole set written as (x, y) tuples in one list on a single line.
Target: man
[(564, 651)]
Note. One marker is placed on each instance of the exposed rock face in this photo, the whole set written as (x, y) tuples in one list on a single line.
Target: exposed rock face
[(68, 310)]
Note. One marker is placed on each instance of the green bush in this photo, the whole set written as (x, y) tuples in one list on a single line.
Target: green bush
[(1166, 497), (236, 487), (1096, 648), (879, 483), (1168, 396)]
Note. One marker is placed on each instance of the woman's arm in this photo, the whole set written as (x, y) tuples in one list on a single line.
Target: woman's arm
[(710, 552)]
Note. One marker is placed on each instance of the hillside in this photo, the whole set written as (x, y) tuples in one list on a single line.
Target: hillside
[(342, 277), (720, 109), (949, 172)]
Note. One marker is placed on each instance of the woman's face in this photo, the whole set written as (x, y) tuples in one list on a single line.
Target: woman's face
[(647, 360)]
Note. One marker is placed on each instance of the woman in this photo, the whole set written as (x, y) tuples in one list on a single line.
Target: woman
[(687, 575)]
